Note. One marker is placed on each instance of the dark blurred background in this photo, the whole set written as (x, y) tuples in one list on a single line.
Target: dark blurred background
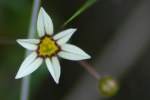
[(116, 33)]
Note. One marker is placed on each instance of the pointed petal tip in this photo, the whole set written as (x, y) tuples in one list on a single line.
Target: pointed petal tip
[(73, 30), (17, 76), (18, 40), (54, 69), (88, 56), (41, 9), (57, 81), (27, 44), (64, 36), (73, 52), (44, 23)]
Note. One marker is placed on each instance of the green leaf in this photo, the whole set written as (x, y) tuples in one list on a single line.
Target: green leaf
[(84, 7)]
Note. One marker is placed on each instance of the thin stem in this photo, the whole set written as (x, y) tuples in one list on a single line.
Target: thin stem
[(90, 69), (31, 34), (84, 7)]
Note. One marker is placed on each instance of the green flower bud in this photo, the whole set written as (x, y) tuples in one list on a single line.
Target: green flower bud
[(108, 86)]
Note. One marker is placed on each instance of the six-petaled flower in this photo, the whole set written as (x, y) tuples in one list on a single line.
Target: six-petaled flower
[(48, 48)]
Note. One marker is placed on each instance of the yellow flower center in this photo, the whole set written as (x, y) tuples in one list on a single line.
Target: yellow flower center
[(47, 47)]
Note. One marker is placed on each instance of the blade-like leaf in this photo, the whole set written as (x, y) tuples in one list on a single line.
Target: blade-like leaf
[(84, 7)]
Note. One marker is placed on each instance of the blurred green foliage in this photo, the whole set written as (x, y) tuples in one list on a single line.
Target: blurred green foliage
[(14, 20), (14, 16)]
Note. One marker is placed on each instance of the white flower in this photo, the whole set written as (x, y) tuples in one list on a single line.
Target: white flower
[(48, 48)]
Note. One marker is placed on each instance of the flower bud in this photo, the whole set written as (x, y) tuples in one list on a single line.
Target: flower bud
[(108, 86)]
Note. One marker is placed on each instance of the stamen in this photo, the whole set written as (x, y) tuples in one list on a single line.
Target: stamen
[(47, 47)]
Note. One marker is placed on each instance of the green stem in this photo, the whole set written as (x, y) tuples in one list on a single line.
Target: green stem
[(31, 34), (84, 7)]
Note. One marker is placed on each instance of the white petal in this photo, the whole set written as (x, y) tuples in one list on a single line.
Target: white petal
[(56, 65), (27, 69), (73, 55), (50, 68), (64, 36), (74, 49), (32, 41), (64, 33), (29, 59), (54, 68), (29, 44), (44, 23), (40, 24), (47, 23)]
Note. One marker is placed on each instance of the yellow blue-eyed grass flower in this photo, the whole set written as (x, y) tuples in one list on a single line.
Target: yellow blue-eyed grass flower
[(48, 48)]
